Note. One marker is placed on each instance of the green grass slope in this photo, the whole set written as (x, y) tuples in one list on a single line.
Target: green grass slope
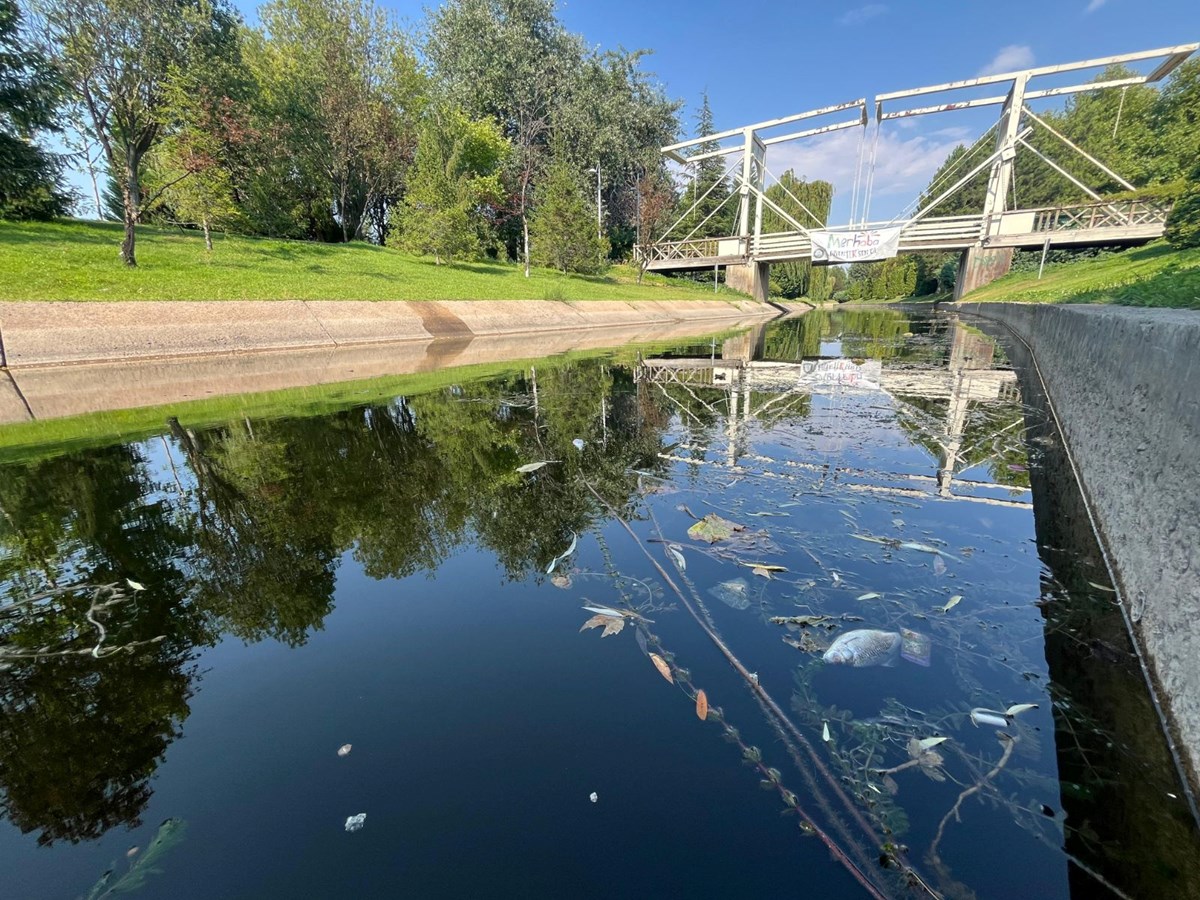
[(71, 260), (1154, 275)]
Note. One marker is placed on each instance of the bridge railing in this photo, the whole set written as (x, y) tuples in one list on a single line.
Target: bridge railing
[(695, 248), (1104, 214)]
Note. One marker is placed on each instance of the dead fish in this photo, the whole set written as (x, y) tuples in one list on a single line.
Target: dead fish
[(864, 647)]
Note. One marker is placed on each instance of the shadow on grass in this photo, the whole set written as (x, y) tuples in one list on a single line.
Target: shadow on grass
[(1175, 287)]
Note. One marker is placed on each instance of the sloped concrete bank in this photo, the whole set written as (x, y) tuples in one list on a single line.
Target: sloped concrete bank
[(1125, 387), (67, 359), (58, 333)]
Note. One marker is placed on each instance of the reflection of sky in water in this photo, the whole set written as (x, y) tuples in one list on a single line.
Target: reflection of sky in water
[(480, 717)]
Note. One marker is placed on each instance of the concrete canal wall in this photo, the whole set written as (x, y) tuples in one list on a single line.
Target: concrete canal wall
[(1125, 385), (36, 333), (72, 358)]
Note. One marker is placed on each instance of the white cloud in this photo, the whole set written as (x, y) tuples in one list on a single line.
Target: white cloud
[(1009, 59), (1094, 5), (904, 163), (862, 13)]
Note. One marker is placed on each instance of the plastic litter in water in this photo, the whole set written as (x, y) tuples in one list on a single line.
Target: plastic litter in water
[(355, 823), (593, 796), (344, 750)]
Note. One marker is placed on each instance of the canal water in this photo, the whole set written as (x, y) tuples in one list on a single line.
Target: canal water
[(564, 631)]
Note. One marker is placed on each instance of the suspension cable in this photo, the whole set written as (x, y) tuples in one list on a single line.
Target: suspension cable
[(871, 170), (862, 141), (945, 176), (796, 199)]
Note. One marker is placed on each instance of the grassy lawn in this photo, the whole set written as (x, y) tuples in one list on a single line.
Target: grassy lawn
[(1154, 275), (71, 260)]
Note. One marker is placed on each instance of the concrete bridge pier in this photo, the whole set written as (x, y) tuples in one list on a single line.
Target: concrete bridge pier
[(753, 278), (980, 265)]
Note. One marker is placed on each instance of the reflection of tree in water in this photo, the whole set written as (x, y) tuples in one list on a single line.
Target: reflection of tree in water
[(989, 437), (80, 737), (865, 333), (244, 539)]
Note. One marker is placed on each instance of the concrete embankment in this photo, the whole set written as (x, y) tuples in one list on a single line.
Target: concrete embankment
[(69, 358), (1125, 387)]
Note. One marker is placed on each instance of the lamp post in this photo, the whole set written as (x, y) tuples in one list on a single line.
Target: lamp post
[(599, 211)]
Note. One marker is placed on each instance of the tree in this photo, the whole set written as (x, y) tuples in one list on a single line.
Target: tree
[(345, 85), (705, 198), (564, 222), (30, 186), (1183, 224), (807, 202), (118, 57), (655, 206), (454, 179)]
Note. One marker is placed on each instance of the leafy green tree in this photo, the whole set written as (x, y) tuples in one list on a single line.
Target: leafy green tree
[(30, 185), (1183, 224), (455, 179), (807, 202), (344, 85), (117, 57), (563, 229)]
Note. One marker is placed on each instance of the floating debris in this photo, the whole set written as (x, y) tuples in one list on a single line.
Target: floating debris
[(355, 823), (534, 466), (915, 647), (864, 647), (870, 595), (612, 624), (593, 796), (562, 556), (735, 593), (701, 705), (713, 528), (663, 669), (950, 604), (675, 552), (344, 750)]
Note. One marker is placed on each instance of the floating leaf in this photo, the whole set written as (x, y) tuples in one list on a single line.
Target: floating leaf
[(926, 743), (825, 733), (675, 552), (939, 566), (713, 528), (767, 566), (612, 624), (836, 577), (534, 466), (344, 750), (701, 705), (1101, 587), (355, 823), (663, 669), (135, 585), (890, 785), (1018, 708), (872, 595), (640, 636), (762, 572), (561, 580)]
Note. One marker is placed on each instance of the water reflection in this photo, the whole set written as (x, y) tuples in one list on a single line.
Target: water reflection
[(902, 429)]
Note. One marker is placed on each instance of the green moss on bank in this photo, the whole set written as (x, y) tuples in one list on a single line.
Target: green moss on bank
[(1154, 275), (70, 260)]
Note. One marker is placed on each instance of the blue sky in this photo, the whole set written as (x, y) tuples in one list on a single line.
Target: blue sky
[(761, 59)]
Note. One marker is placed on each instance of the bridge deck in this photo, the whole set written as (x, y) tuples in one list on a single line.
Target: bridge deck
[(1115, 222)]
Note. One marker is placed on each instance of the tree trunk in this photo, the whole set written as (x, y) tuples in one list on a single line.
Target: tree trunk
[(131, 197), (525, 230), (207, 234)]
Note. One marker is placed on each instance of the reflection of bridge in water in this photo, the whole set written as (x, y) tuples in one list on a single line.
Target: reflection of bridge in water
[(758, 390)]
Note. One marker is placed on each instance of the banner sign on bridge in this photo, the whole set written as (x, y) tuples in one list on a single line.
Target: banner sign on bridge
[(855, 246)]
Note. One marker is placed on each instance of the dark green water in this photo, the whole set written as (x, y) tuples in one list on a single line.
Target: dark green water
[(379, 577)]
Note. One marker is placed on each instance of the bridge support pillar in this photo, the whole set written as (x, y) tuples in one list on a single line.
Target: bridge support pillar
[(979, 266), (753, 278)]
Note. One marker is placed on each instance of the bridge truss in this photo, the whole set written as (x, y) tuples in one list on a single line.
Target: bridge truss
[(998, 229)]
